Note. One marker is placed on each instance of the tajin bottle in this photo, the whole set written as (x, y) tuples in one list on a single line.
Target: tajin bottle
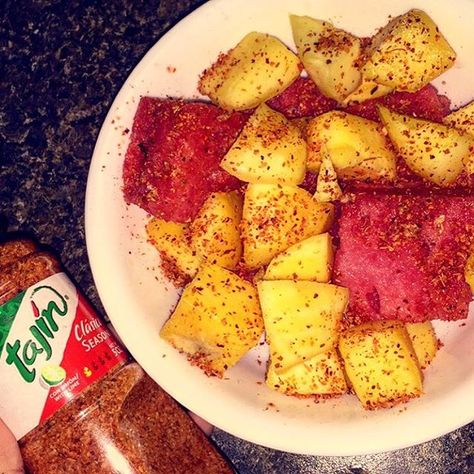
[(74, 400)]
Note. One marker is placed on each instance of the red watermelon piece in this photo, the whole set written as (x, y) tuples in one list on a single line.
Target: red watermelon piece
[(425, 103), (302, 99), (172, 162), (403, 257)]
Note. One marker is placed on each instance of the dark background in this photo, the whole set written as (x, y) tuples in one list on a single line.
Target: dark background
[(61, 65)]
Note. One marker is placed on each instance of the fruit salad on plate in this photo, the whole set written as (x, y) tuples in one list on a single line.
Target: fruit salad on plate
[(321, 202)]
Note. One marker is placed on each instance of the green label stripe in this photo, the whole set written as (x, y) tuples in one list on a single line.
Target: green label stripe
[(7, 316)]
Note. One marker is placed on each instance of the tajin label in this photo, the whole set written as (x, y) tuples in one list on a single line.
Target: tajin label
[(52, 346)]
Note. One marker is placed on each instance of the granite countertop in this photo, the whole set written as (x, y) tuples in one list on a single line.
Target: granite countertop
[(62, 63)]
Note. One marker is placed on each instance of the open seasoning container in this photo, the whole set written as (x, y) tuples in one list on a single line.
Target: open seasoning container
[(73, 398)]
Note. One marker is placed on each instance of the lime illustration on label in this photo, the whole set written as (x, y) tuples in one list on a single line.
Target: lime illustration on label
[(52, 375)]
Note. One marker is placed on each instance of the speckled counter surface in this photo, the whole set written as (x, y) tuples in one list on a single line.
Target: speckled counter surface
[(61, 64)]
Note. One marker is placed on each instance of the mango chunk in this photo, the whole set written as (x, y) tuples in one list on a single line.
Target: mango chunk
[(424, 340), (367, 90), (170, 239), (408, 53), (432, 150), (356, 146), (463, 120), (381, 364), (328, 54), (320, 376), (270, 149), (258, 68), (302, 319), (215, 232), (217, 320), (310, 259), (327, 185)]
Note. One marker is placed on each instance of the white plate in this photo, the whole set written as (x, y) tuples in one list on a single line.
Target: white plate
[(138, 300)]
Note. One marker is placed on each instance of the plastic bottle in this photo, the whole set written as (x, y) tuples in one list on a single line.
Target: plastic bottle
[(71, 395)]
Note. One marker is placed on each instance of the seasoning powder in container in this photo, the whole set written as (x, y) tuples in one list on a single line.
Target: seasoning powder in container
[(69, 393)]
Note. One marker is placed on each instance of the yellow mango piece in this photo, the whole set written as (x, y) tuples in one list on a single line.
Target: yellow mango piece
[(356, 146), (408, 53), (328, 54), (217, 320), (367, 90), (327, 186), (432, 150), (276, 217), (302, 319), (463, 120), (320, 376), (258, 68), (269, 149), (170, 239), (310, 259), (380, 363), (215, 232), (424, 340)]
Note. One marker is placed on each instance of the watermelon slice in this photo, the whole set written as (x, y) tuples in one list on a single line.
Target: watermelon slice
[(425, 103), (302, 99), (403, 257), (172, 162)]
